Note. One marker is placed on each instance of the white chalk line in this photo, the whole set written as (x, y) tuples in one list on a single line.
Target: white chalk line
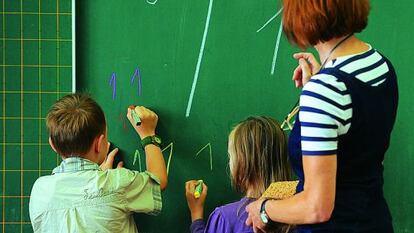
[(270, 20), (279, 36), (152, 3), (200, 58), (211, 155)]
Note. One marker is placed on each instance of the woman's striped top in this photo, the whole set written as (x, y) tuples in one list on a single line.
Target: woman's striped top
[(326, 106)]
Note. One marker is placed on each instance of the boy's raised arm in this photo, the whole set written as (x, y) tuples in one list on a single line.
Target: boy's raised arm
[(154, 158)]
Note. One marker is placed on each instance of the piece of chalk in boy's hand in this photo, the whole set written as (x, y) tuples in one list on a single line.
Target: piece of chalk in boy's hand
[(198, 189), (135, 116)]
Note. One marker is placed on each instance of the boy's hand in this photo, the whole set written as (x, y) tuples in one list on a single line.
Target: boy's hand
[(196, 205), (149, 120), (107, 164)]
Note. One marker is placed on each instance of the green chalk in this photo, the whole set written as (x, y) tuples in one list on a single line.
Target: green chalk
[(198, 189), (136, 118)]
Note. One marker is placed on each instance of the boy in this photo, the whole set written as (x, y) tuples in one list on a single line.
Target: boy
[(84, 194)]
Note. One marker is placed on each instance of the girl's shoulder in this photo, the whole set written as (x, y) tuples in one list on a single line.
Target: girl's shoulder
[(231, 216)]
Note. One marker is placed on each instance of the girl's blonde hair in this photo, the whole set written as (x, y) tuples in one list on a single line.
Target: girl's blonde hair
[(258, 155)]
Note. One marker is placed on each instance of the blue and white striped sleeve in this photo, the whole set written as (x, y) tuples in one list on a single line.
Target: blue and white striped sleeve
[(325, 113)]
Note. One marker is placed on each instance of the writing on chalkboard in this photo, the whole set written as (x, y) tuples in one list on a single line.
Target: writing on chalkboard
[(138, 76), (211, 155), (137, 154), (135, 75), (200, 58), (171, 146), (112, 83), (279, 36), (153, 2)]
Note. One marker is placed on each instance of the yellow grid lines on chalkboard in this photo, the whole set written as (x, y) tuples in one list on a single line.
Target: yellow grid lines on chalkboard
[(39, 147), (24, 143), (37, 92), (57, 61), (21, 114), (27, 118), (37, 66), (27, 170), (35, 13), (21, 108), (15, 196), (19, 223), (33, 39), (3, 200)]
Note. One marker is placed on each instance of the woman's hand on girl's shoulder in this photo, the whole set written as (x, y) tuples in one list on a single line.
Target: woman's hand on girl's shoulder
[(253, 219)]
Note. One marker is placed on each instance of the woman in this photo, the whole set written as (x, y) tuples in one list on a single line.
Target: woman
[(346, 113)]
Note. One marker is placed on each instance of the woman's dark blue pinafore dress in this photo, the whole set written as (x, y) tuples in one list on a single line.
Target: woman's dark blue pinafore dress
[(360, 206)]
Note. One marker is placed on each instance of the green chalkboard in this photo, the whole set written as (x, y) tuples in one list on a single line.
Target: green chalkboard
[(35, 71), (205, 65)]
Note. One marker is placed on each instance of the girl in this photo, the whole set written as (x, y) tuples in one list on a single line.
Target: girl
[(257, 157)]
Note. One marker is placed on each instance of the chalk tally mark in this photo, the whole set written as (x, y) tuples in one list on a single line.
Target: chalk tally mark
[(137, 74), (279, 35), (137, 154), (200, 58), (270, 20), (112, 83), (210, 153), (171, 146)]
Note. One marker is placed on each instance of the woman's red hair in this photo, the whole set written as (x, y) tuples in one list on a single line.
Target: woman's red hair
[(308, 22)]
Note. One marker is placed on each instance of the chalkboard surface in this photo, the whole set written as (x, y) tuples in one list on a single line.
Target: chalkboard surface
[(205, 65)]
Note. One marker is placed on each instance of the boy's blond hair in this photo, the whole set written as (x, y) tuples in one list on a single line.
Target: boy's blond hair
[(74, 122)]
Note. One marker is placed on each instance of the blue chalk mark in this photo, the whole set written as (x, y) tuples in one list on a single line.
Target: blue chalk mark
[(133, 76), (112, 83), (137, 73), (139, 82)]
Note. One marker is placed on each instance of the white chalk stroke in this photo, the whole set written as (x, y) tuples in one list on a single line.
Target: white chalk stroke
[(211, 155), (171, 146), (279, 36), (200, 58), (270, 20), (153, 2)]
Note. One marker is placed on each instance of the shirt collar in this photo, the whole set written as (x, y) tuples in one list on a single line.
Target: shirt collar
[(74, 164)]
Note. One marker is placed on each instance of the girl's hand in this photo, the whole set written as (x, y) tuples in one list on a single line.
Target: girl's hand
[(196, 205), (307, 67)]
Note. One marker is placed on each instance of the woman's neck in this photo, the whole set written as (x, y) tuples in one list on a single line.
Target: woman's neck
[(352, 45)]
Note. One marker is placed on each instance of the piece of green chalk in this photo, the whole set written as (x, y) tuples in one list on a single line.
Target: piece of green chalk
[(136, 118), (198, 189)]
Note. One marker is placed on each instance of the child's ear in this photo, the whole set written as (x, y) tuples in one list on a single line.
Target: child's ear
[(51, 145), (99, 141)]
